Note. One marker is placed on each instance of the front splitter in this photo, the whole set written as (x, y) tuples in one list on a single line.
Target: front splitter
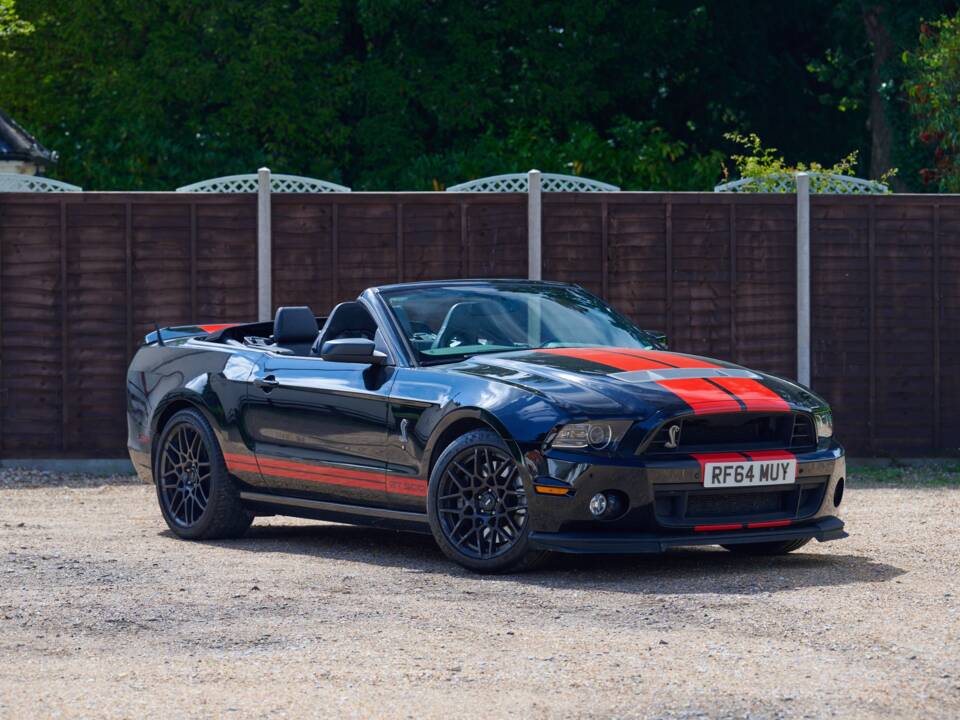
[(830, 528)]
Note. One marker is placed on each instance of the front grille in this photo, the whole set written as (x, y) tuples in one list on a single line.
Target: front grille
[(689, 504), (744, 503), (734, 432)]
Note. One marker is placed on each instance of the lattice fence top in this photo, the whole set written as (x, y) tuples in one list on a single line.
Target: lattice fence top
[(519, 182), (826, 183), (15, 182), (249, 184)]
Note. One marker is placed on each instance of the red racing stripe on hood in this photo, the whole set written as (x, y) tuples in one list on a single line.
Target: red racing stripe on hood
[(757, 397), (618, 360), (702, 396), (671, 359)]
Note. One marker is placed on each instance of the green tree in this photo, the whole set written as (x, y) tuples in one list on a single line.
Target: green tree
[(863, 75), (933, 91), (416, 94)]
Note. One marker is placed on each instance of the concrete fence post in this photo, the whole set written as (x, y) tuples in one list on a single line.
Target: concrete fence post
[(803, 279), (264, 261), (534, 218)]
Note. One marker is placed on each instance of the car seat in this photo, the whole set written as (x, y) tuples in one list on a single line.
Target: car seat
[(295, 328)]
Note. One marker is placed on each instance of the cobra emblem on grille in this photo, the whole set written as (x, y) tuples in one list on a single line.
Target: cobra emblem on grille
[(674, 433)]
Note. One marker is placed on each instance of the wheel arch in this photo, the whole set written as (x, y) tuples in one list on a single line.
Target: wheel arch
[(170, 407), (461, 422)]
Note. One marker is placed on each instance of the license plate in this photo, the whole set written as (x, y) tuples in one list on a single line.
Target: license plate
[(750, 473)]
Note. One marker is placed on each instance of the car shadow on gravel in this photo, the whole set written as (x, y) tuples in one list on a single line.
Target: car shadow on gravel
[(681, 571)]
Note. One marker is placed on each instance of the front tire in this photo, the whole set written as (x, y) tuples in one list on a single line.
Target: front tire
[(198, 498), (477, 506), (767, 548)]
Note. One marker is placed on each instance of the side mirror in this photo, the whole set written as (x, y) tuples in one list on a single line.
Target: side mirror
[(660, 339), (352, 350)]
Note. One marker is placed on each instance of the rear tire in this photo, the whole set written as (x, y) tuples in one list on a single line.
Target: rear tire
[(198, 498), (477, 506), (767, 548)]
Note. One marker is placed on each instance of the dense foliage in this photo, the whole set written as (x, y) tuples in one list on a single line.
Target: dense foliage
[(421, 94), (935, 99)]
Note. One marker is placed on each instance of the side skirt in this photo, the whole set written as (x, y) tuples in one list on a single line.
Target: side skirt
[(335, 512)]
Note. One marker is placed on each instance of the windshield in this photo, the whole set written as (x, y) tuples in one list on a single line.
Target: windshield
[(449, 323)]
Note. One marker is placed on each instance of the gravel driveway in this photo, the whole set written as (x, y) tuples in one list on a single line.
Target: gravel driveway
[(104, 614)]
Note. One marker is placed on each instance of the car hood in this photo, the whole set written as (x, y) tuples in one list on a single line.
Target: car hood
[(622, 382)]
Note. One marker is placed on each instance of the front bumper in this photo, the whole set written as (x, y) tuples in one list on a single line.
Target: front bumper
[(829, 528), (666, 504)]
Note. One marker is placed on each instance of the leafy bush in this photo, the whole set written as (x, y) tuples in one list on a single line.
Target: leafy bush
[(773, 174)]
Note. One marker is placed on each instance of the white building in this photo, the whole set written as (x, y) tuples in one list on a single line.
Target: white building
[(20, 153)]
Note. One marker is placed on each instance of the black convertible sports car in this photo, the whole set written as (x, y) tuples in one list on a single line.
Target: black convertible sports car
[(507, 417)]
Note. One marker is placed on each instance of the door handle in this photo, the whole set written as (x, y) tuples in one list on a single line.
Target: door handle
[(267, 383)]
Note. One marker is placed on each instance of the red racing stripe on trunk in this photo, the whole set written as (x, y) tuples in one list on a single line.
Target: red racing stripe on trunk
[(756, 397), (214, 328), (703, 397)]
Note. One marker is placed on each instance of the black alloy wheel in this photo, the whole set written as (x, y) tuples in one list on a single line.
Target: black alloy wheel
[(478, 505), (198, 498), (185, 475)]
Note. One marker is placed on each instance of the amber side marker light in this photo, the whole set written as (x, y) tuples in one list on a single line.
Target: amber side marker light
[(551, 490)]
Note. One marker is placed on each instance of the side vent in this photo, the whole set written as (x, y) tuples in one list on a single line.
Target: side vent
[(803, 433)]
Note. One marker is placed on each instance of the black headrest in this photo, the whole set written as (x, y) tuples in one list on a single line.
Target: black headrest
[(294, 324), (350, 317)]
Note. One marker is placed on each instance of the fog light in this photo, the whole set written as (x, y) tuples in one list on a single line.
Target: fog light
[(838, 493), (598, 504)]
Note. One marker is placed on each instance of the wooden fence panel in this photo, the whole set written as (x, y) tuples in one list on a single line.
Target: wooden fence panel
[(840, 286), (95, 328), (83, 277), (496, 236), (638, 263), (765, 292), (946, 346), (573, 240), (31, 338)]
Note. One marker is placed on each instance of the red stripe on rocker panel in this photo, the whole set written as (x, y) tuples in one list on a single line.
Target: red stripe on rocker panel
[(702, 397), (406, 486), (354, 473), (755, 396), (323, 474), (615, 359)]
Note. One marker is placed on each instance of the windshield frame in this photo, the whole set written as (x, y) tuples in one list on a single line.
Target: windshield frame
[(415, 358)]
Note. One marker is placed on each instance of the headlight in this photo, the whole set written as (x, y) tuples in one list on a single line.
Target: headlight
[(596, 435), (824, 422)]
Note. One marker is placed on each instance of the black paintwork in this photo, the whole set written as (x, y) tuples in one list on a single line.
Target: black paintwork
[(386, 423)]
